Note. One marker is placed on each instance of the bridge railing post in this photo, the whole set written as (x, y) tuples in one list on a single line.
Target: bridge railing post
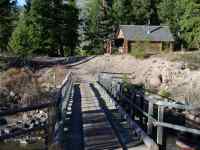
[(150, 121), (161, 138)]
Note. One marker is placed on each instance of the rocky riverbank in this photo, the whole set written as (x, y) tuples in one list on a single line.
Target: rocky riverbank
[(21, 87)]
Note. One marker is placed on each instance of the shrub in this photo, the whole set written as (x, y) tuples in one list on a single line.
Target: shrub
[(138, 53), (164, 93)]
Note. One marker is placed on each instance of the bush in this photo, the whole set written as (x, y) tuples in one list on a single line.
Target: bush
[(83, 52), (138, 53), (164, 93)]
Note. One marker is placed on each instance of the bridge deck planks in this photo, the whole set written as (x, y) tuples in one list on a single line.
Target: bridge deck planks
[(89, 127), (98, 133)]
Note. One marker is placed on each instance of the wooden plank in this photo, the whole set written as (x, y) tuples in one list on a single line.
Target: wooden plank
[(97, 130)]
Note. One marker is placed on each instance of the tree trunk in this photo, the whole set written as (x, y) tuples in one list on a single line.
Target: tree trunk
[(62, 51), (71, 51)]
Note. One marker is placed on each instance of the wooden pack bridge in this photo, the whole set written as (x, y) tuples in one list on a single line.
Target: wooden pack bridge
[(102, 116)]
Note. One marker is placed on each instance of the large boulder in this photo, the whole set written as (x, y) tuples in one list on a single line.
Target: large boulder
[(155, 78), (155, 81)]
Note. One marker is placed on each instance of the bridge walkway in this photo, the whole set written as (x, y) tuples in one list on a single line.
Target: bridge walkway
[(94, 124)]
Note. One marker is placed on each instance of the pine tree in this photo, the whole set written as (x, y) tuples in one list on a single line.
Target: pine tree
[(135, 11), (20, 40), (8, 13), (27, 6), (190, 23), (154, 14), (70, 27), (170, 17), (117, 12), (183, 19), (47, 27), (99, 24)]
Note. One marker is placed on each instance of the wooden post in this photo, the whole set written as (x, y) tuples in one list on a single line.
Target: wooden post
[(150, 123), (161, 139), (133, 97), (142, 107), (125, 47), (171, 46), (110, 47), (141, 103), (161, 46)]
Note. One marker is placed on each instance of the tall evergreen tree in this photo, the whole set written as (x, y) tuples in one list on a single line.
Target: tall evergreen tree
[(190, 23), (48, 26), (71, 23), (154, 14), (99, 24), (183, 19), (135, 11), (171, 17), (117, 12), (7, 18), (27, 5)]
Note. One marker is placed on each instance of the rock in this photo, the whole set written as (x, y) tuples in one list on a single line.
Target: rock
[(7, 130), (181, 66), (154, 61), (155, 82), (23, 142), (156, 79), (12, 94), (25, 117)]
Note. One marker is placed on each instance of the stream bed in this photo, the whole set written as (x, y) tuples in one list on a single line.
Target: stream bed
[(16, 146)]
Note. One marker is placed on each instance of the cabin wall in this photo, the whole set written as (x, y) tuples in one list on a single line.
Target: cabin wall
[(151, 46)]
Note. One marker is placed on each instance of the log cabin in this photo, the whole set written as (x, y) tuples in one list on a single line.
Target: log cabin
[(129, 37)]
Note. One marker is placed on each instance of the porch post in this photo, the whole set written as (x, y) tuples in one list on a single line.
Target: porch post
[(171, 46), (161, 46), (110, 47), (125, 50)]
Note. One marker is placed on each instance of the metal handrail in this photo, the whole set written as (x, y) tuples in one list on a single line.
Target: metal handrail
[(114, 87)]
